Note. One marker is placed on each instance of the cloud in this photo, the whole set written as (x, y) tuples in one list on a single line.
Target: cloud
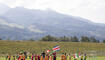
[(34, 29), (91, 9), (14, 3), (8, 2), (11, 24)]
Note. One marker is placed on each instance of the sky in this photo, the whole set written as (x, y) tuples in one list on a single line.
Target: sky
[(93, 10)]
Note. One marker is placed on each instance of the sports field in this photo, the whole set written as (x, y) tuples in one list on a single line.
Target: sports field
[(58, 58)]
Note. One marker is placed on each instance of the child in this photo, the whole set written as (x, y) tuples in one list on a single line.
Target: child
[(63, 57), (13, 57)]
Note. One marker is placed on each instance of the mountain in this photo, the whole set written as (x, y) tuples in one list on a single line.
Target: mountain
[(17, 32), (30, 23)]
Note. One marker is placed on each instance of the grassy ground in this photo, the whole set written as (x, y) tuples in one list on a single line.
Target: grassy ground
[(58, 58), (38, 47)]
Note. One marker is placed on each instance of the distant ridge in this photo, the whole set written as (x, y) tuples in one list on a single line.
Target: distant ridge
[(38, 23)]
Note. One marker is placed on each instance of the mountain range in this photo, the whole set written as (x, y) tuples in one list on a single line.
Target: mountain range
[(22, 24)]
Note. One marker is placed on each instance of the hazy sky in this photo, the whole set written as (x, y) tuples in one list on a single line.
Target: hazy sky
[(93, 10)]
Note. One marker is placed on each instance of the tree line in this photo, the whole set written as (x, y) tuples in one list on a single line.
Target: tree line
[(67, 39), (70, 39)]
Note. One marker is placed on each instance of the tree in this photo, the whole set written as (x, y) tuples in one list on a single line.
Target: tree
[(8, 39), (0, 39), (64, 39), (103, 41), (85, 39), (49, 38), (31, 39), (74, 39), (92, 39)]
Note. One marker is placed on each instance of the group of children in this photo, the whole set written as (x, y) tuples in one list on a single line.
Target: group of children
[(20, 56), (45, 56), (64, 56)]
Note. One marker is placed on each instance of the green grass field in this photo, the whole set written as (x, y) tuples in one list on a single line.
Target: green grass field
[(14, 47), (58, 58), (37, 47)]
